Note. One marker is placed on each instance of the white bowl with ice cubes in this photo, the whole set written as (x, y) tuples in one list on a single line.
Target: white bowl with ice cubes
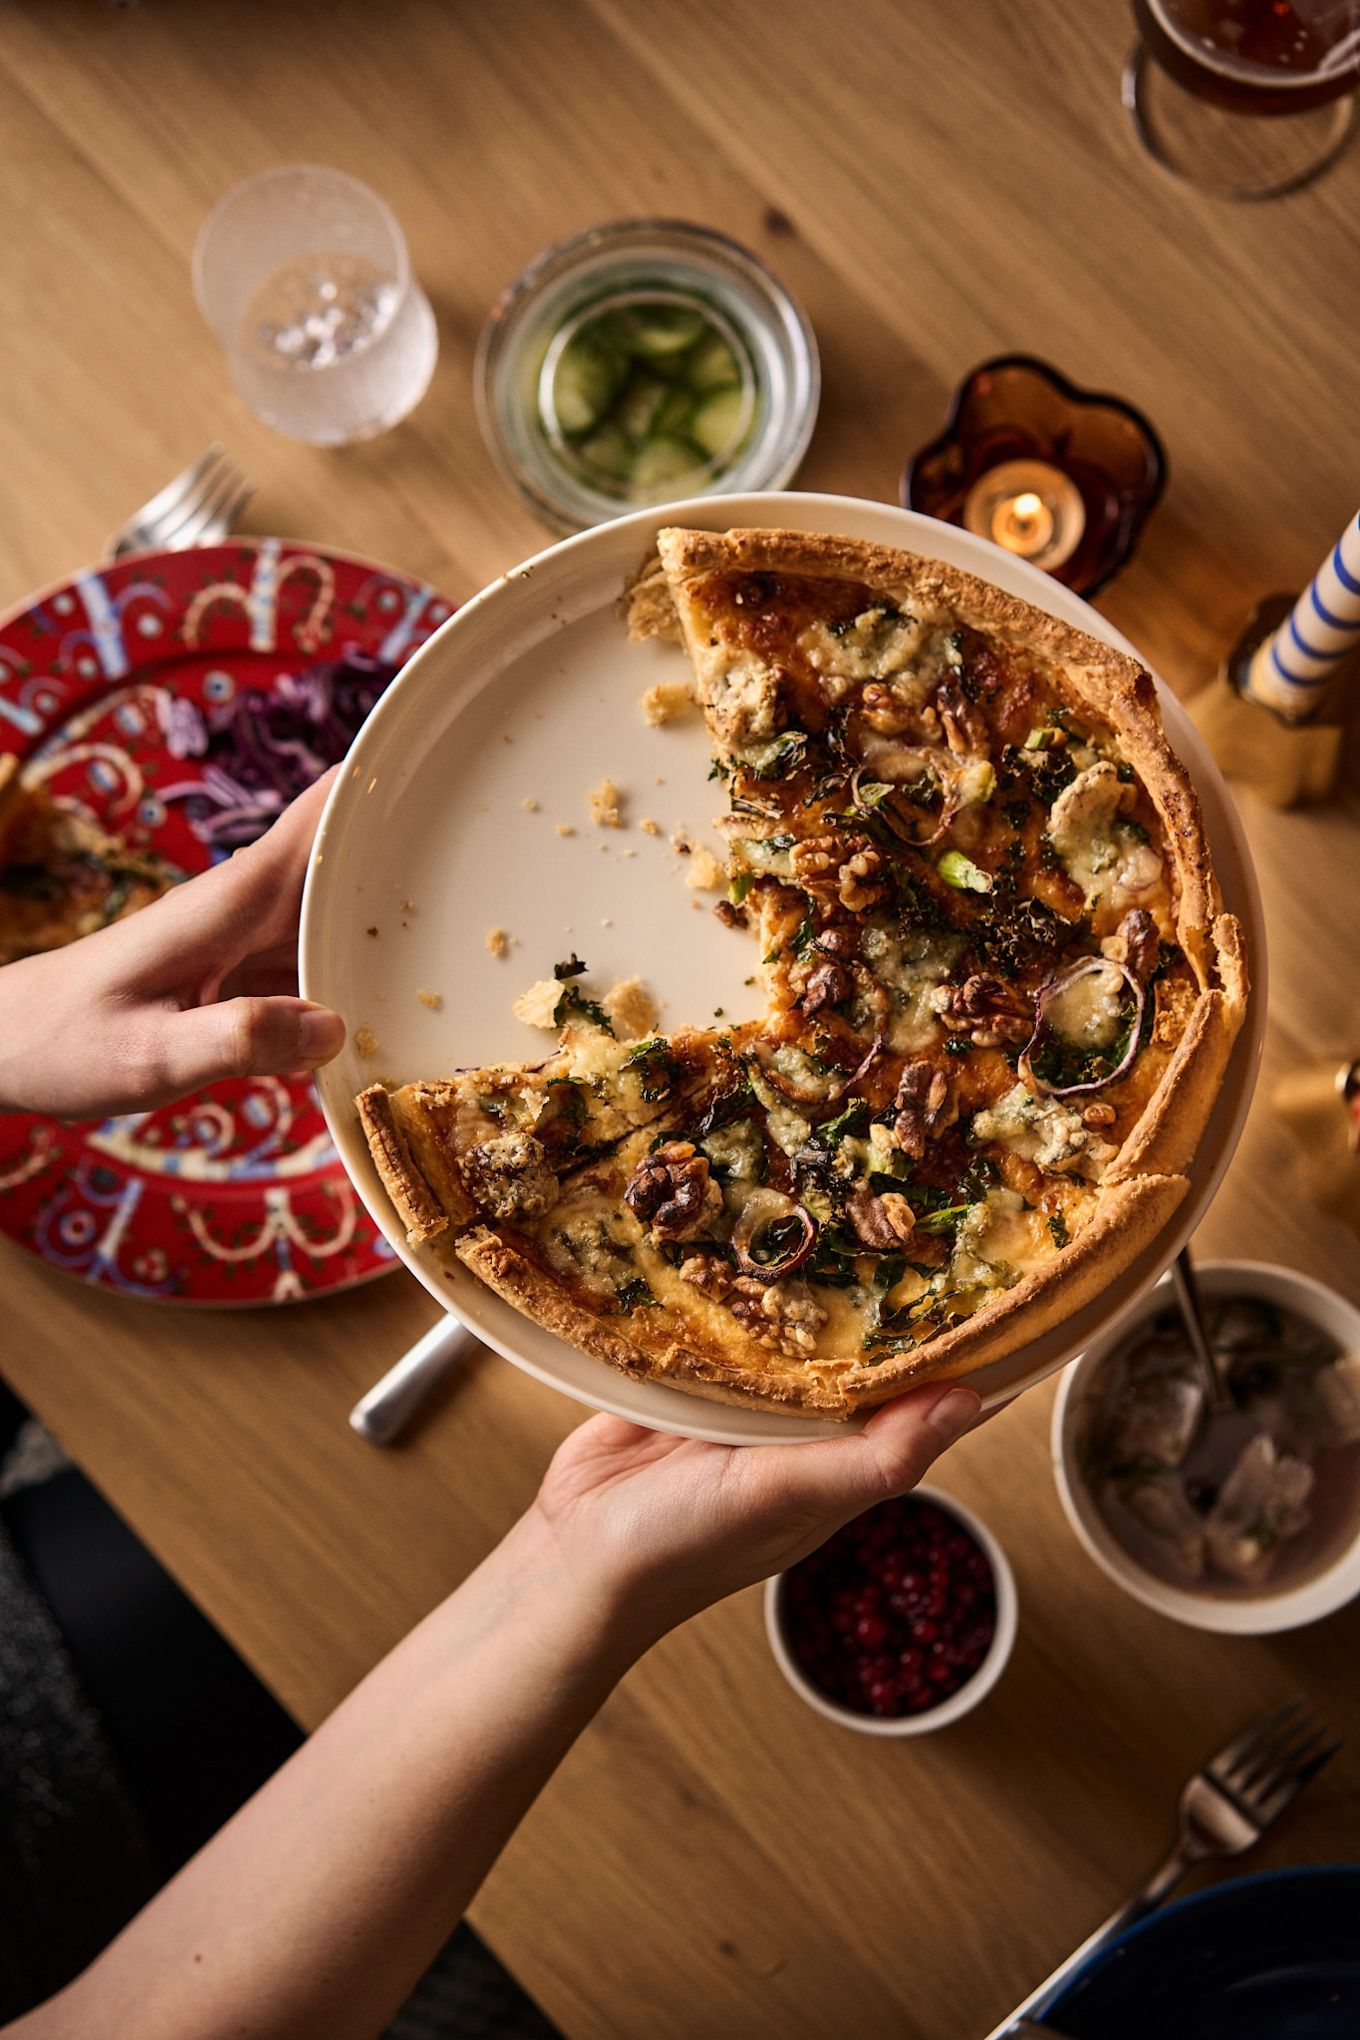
[(1247, 1522)]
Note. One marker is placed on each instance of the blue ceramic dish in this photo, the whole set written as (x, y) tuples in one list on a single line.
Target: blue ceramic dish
[(1275, 1957)]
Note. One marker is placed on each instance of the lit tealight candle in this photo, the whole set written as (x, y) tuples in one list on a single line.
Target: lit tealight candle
[(1031, 508)]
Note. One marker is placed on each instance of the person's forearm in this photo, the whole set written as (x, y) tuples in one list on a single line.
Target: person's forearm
[(320, 1904)]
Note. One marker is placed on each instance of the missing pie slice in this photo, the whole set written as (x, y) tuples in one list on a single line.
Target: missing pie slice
[(1001, 995)]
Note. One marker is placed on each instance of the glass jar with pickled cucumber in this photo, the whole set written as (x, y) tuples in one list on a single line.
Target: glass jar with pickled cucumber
[(642, 362)]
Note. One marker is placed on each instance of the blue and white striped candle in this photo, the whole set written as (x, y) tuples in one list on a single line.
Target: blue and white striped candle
[(1290, 669)]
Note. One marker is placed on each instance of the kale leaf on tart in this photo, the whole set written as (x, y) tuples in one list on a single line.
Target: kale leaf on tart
[(1001, 993)]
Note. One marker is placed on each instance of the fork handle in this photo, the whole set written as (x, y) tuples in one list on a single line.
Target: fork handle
[(1162, 1882)]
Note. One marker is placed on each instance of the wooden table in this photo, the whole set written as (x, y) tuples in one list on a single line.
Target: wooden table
[(712, 1859)]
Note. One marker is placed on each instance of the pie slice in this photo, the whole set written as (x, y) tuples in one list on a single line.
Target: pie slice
[(1001, 994), (494, 1144), (62, 877)]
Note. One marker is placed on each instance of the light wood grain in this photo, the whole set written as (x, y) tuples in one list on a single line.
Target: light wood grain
[(937, 184)]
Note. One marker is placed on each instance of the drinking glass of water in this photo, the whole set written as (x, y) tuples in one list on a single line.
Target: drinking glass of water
[(303, 274)]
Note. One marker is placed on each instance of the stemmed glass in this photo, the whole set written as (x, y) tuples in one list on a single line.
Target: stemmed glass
[(1246, 98)]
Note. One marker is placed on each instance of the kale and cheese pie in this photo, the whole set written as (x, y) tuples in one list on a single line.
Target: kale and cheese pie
[(1001, 993)]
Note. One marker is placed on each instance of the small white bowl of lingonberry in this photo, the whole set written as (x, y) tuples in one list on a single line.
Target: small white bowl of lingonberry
[(901, 1622)]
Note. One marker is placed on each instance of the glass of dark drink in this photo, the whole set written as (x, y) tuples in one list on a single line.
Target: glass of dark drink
[(1248, 98)]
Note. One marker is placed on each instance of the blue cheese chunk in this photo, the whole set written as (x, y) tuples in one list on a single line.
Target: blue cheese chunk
[(743, 696), (1000, 1240), (911, 967), (879, 644), (1093, 1011), (1046, 1131), (1103, 854)]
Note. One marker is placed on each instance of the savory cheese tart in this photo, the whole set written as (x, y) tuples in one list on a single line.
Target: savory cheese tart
[(1001, 993), (60, 876)]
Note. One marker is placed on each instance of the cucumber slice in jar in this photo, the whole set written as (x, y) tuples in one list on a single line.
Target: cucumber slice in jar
[(608, 453), (672, 419), (719, 422), (713, 365), (658, 332), (665, 460), (639, 409), (585, 383)]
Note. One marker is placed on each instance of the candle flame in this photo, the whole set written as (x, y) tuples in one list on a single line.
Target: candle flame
[(1026, 507)]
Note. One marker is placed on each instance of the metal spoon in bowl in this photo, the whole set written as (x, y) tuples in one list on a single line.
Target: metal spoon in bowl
[(1191, 1308)]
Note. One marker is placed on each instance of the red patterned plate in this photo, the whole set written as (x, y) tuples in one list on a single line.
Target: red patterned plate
[(109, 684)]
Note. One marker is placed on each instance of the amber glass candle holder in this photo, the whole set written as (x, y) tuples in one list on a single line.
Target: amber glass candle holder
[(1064, 477)]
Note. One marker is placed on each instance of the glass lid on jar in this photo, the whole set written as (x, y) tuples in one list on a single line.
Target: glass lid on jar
[(643, 362)]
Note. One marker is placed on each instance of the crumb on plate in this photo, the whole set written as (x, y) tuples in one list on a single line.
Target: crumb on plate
[(497, 941), (529, 804), (705, 874), (434, 1000), (665, 701), (565, 829), (538, 1006), (649, 827), (366, 1041), (408, 906), (630, 1008), (605, 803), (370, 931)]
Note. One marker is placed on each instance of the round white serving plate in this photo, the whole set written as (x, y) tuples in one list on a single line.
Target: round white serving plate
[(530, 694)]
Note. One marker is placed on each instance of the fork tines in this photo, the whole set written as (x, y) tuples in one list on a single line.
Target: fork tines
[(1264, 1767)]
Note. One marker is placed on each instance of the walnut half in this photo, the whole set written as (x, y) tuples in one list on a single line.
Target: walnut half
[(672, 1191)]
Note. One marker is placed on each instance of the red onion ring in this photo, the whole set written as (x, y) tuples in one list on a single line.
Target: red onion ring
[(1046, 995), (770, 1207), (879, 1044)]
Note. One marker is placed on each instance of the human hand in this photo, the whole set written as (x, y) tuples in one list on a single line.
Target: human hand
[(661, 1526), (199, 985)]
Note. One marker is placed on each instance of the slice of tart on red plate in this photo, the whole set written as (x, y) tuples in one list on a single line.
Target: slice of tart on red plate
[(61, 876)]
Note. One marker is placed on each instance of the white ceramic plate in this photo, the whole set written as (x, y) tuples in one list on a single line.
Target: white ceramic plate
[(531, 693)]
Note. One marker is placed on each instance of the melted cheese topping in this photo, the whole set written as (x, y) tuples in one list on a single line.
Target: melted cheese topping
[(911, 967), (1091, 1011), (742, 696), (878, 645), (1105, 856), (1045, 1131), (1000, 1241)]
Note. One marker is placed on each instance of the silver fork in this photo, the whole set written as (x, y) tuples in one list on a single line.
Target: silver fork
[(1225, 1808), (201, 506)]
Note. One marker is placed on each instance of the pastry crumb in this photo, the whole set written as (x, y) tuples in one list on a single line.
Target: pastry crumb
[(370, 931), (565, 829), (630, 1008), (408, 906), (681, 844), (628, 852), (605, 805), (705, 874), (366, 1041), (649, 827), (529, 804), (497, 941), (665, 701), (538, 1006), (506, 737), (434, 1000)]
